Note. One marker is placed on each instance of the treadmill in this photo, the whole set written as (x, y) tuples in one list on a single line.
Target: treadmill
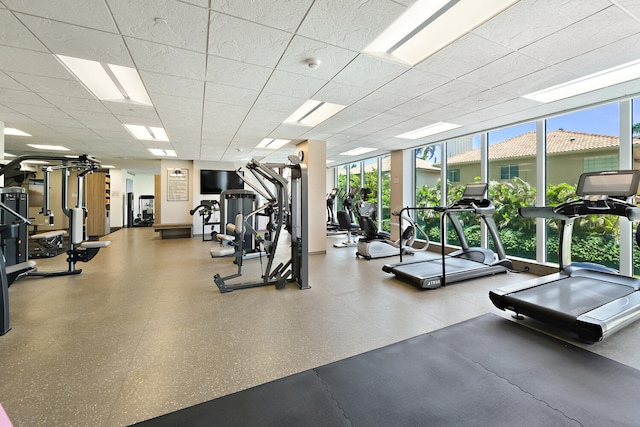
[(466, 263), (587, 299)]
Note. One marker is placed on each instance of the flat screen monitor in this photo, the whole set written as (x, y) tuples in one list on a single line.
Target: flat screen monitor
[(217, 181)]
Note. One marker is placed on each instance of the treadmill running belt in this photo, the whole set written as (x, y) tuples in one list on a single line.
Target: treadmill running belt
[(572, 296), (433, 268)]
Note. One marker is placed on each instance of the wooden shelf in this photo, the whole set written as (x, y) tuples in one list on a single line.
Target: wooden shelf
[(98, 204)]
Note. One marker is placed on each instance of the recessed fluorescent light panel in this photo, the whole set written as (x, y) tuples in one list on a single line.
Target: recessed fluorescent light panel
[(9, 155), (428, 130), (147, 133), (49, 147), (272, 144), (429, 25), (609, 77), (15, 132), (165, 153), (312, 113), (108, 82), (358, 151), (329, 161)]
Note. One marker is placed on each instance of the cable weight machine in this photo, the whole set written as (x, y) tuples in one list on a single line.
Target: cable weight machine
[(277, 208)]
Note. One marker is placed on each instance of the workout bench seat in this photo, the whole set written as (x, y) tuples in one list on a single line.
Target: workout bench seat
[(174, 231)]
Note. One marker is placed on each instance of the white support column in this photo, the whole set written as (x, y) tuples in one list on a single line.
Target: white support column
[(402, 184), (1, 149), (541, 185), (484, 177), (626, 162), (315, 157)]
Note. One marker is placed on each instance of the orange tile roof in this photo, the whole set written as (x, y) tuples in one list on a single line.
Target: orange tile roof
[(558, 141)]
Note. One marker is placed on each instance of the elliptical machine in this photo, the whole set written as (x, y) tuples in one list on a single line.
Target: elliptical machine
[(378, 244)]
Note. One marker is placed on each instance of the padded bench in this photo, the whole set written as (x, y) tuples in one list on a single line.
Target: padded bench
[(174, 231)]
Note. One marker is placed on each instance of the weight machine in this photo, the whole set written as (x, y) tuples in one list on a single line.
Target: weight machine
[(277, 208)]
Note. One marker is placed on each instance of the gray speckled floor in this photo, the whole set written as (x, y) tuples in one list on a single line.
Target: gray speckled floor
[(144, 331)]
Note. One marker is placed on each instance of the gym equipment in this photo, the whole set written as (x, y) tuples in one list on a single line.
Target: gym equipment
[(377, 244), (50, 243), (10, 230), (15, 247), (145, 216), (233, 202), (79, 250), (206, 209), (332, 225), (587, 299), (277, 208), (465, 263), (346, 227)]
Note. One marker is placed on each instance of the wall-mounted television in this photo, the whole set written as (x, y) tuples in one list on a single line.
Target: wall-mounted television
[(216, 181)]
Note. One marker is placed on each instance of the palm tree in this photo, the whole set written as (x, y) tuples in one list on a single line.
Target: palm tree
[(636, 129)]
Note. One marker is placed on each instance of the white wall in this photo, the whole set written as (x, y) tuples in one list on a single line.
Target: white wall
[(176, 211)]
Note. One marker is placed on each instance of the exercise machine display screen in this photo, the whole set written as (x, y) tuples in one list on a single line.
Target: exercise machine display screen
[(614, 183), (475, 191)]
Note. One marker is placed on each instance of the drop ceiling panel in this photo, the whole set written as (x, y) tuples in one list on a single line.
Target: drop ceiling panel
[(369, 72), (294, 85), (453, 91), (415, 107), (67, 103), (538, 80), (163, 84), (245, 41), (619, 52), (134, 114), (503, 70), (338, 93), (463, 56), (171, 23), (230, 94), (351, 24), (414, 83), (596, 31), (529, 21), (31, 62), (85, 13), (284, 104), (7, 82), (380, 102), (13, 33), (330, 59), (79, 42), (169, 60), (51, 86), (282, 14), (235, 73), (16, 98), (97, 120)]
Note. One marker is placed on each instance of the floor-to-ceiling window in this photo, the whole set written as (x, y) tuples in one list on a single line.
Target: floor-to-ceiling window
[(427, 161), (635, 133), (385, 192), (512, 185), (463, 167), (583, 141)]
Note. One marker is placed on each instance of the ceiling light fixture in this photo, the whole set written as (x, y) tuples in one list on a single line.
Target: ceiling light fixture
[(15, 132), (108, 82), (312, 113), (49, 147), (429, 25), (609, 77), (147, 133), (161, 152), (272, 144), (358, 151), (428, 130)]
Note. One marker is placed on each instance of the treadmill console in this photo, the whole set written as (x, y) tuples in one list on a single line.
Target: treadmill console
[(473, 193), (611, 184)]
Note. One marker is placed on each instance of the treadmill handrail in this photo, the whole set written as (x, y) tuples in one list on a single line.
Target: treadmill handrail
[(548, 212)]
